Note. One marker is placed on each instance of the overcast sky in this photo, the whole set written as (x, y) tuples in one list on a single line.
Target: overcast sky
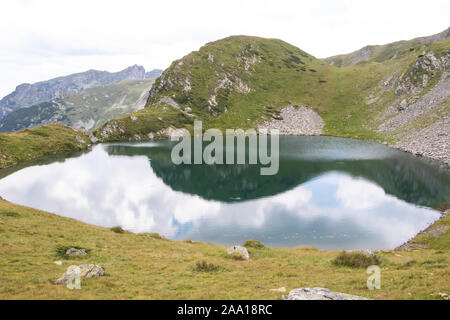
[(43, 39)]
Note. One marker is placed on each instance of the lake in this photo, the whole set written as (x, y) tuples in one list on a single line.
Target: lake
[(330, 193)]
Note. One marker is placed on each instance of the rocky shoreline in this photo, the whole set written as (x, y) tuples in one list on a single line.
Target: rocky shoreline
[(432, 142)]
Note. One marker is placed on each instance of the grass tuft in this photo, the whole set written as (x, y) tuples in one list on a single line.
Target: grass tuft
[(356, 260), (203, 266), (117, 230), (255, 244), (11, 214), (235, 256)]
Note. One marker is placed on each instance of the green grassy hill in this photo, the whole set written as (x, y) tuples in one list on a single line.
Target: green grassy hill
[(231, 83), (87, 109), (381, 53), (241, 82), (16, 147)]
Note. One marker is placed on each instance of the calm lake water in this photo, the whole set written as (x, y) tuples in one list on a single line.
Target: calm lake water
[(330, 193)]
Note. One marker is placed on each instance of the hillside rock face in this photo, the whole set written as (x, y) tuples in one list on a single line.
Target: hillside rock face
[(418, 119), (28, 94)]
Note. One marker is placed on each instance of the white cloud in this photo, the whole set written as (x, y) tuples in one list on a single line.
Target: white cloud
[(49, 38), (357, 194)]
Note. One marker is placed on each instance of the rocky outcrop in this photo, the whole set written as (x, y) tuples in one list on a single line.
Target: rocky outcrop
[(417, 77), (239, 251), (319, 294), (109, 129), (295, 121), (81, 271), (416, 107)]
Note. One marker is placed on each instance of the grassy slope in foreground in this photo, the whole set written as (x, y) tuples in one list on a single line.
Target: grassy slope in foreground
[(28, 144), (142, 266)]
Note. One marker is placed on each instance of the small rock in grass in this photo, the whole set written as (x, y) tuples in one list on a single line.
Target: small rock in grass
[(282, 289), (319, 294), (76, 252)]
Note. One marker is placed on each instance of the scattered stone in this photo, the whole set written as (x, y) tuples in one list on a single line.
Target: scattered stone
[(133, 118), (242, 251), (444, 295), (170, 102), (432, 140), (282, 289), (172, 133), (403, 105), (399, 91), (76, 252), (295, 121), (80, 140), (84, 271), (319, 294), (109, 129), (58, 263)]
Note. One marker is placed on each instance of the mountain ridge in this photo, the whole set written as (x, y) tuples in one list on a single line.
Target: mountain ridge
[(86, 109), (383, 52), (26, 94)]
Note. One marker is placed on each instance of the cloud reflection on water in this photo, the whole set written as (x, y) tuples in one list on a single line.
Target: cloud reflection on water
[(333, 211)]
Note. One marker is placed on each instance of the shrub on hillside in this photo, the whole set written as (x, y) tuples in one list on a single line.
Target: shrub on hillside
[(356, 260), (255, 244)]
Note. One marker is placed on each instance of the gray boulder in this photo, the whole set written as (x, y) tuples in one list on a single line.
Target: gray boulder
[(81, 271), (319, 294), (242, 251)]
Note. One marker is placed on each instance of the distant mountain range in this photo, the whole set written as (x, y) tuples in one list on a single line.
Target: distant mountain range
[(86, 109), (27, 94)]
